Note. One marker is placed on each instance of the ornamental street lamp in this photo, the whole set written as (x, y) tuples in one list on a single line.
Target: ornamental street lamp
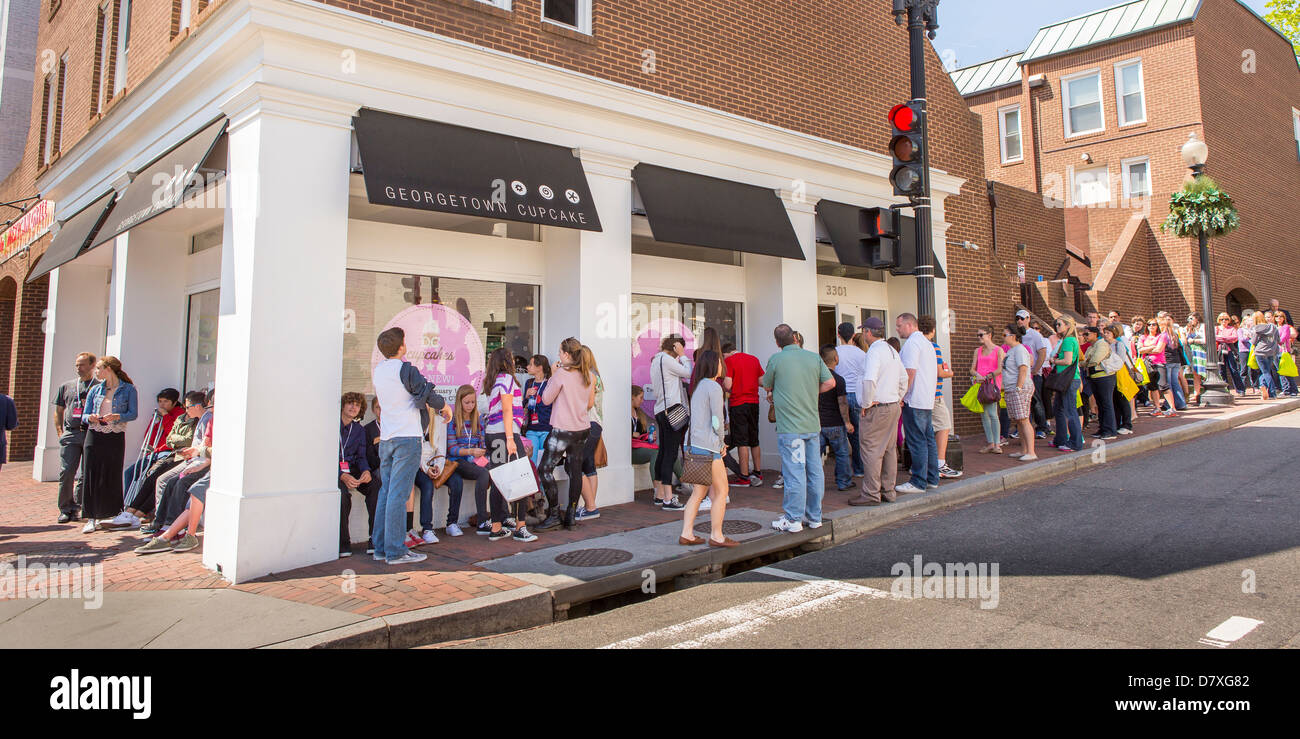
[(1213, 388)]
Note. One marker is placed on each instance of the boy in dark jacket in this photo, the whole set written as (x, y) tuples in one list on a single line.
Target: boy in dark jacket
[(354, 465)]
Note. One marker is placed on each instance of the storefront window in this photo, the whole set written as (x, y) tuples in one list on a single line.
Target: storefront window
[(201, 340), (652, 317), (451, 324), (832, 268)]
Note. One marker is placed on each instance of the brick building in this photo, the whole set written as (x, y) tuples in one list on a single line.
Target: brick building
[(231, 177), (1093, 114)]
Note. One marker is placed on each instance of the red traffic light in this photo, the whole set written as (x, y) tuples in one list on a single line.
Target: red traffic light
[(903, 116)]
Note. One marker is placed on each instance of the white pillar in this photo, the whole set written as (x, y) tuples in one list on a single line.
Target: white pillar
[(74, 323), (146, 323), (780, 290), (274, 500), (588, 286)]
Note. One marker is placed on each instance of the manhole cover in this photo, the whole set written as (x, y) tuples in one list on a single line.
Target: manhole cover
[(593, 557), (730, 528)]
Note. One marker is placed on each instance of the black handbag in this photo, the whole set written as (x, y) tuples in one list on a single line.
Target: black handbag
[(1058, 381), (676, 413)]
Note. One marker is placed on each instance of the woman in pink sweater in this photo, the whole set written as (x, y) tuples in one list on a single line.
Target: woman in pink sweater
[(570, 393)]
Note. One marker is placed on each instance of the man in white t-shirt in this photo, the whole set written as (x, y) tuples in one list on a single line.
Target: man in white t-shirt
[(922, 367), (852, 360), (883, 383), (1038, 349)]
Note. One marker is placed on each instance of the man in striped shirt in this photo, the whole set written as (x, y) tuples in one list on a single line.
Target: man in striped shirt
[(942, 413)]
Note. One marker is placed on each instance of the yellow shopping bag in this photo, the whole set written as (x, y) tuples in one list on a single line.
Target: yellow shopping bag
[(971, 400), (1078, 398), (1250, 362), (1124, 383), (1002, 401), (1286, 365), (1142, 367)]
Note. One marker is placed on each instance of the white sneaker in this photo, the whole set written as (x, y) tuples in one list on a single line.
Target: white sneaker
[(1125, 432), (785, 524), (90, 527), (812, 525), (780, 482), (907, 488), (408, 558), (706, 504), (124, 519), (429, 538), (454, 530)]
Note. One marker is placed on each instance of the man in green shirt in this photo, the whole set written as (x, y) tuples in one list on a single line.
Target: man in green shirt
[(794, 377)]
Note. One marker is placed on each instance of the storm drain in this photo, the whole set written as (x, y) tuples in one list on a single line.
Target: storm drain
[(730, 528), (593, 557)]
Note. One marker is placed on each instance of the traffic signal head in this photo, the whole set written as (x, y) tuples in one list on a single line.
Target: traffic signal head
[(905, 146), (880, 230)]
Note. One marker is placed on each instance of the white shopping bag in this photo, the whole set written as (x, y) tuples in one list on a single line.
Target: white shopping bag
[(514, 479)]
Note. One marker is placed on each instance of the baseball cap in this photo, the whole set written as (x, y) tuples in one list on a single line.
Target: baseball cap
[(873, 323), (1022, 314)]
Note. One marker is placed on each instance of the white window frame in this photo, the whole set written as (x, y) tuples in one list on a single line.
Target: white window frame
[(185, 15), (1065, 103), (1074, 188), (584, 17), (1295, 123), (1002, 133), (51, 103), (123, 22), (1119, 92), (105, 51), (1126, 183), (503, 4)]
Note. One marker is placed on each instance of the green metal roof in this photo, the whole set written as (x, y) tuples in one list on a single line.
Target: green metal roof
[(1108, 24), (990, 75)]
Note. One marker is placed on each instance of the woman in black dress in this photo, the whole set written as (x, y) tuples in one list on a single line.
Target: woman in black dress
[(110, 405)]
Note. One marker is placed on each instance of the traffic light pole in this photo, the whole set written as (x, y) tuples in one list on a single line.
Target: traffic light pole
[(921, 18)]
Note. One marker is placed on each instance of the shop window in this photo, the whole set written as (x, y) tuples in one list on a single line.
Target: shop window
[(691, 314), (832, 268), (573, 13), (873, 313), (1082, 100), (206, 239), (459, 323), (651, 248), (201, 340)]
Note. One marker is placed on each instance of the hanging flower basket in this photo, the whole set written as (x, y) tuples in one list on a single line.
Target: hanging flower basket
[(1201, 207)]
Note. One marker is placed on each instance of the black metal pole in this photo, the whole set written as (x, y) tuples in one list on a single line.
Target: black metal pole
[(1214, 391), (917, 13)]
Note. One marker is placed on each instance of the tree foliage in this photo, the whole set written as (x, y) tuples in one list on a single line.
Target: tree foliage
[(1284, 15)]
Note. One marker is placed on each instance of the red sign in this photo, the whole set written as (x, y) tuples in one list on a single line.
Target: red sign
[(29, 227)]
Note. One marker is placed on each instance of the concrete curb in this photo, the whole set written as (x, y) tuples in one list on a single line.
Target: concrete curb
[(534, 605), (497, 613)]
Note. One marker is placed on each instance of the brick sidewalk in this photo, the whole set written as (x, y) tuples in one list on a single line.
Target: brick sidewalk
[(28, 513)]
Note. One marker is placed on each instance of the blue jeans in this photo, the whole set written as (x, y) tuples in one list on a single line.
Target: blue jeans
[(837, 439), (1249, 377), (1231, 373), (855, 448), (918, 432), (538, 440), (1176, 387), (1067, 418), (399, 461), (992, 426), (1268, 376), (805, 480)]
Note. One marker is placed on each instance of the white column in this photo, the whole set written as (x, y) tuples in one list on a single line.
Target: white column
[(274, 500), (147, 311), (588, 285), (780, 290), (74, 323)]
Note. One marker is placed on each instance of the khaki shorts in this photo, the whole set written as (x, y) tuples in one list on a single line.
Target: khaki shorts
[(942, 417)]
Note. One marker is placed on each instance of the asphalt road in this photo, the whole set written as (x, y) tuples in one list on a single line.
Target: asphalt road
[(1157, 551)]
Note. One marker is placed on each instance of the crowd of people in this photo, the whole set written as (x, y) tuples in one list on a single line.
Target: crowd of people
[(862, 402)]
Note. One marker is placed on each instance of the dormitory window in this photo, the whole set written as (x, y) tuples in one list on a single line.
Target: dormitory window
[(1082, 100), (573, 13), (1131, 100), (112, 44), (1009, 125)]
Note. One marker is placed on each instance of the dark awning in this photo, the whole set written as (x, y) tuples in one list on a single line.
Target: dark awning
[(163, 184), (73, 235), (844, 224), (688, 208), (426, 165)]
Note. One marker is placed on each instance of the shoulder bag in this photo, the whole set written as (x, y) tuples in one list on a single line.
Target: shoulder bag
[(676, 413), (1059, 381), (697, 469)]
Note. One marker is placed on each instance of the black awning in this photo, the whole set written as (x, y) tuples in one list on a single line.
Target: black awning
[(426, 165), (163, 184), (73, 235), (687, 208), (843, 223)]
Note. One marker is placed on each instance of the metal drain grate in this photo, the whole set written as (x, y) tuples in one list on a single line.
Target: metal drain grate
[(730, 528), (593, 557)]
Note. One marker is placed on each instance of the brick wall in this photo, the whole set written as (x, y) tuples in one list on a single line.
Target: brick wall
[(1251, 139), (1017, 174)]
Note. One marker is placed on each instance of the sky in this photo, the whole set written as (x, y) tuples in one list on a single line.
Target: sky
[(974, 31)]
